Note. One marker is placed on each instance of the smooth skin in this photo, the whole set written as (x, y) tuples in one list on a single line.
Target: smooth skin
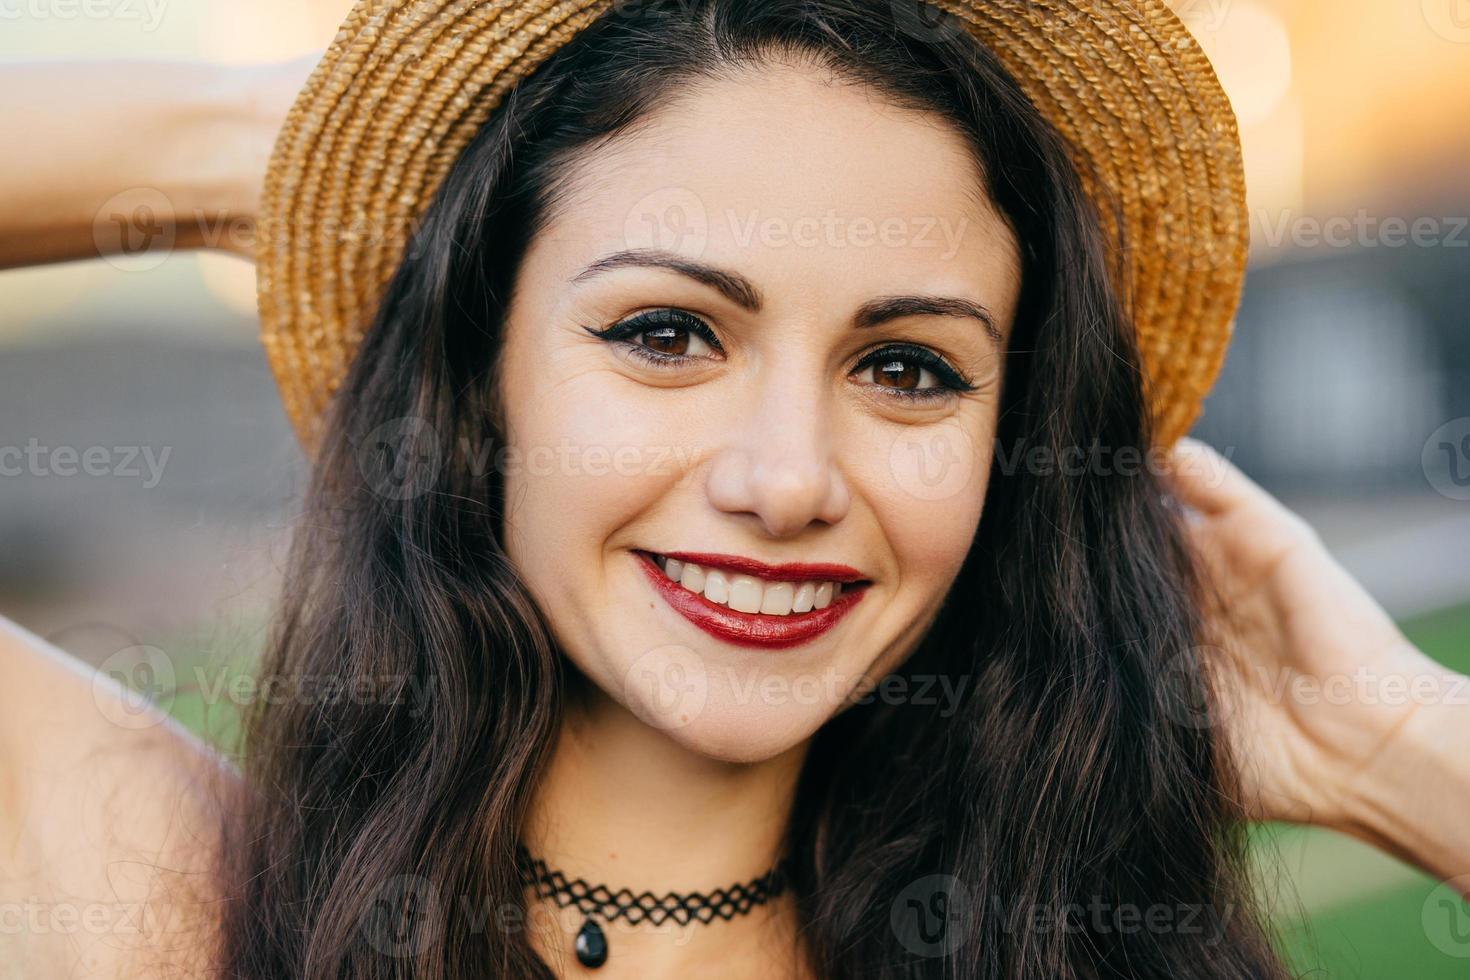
[(788, 453)]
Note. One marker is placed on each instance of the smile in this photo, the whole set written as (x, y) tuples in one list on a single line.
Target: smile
[(749, 603)]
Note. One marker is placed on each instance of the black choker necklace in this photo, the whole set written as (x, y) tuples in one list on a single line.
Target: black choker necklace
[(600, 902)]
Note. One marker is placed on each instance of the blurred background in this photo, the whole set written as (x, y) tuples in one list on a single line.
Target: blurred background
[(1346, 391)]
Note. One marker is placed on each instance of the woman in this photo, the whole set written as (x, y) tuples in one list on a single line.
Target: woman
[(720, 559)]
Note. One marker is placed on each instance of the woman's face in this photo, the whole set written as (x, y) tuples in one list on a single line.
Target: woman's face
[(811, 295)]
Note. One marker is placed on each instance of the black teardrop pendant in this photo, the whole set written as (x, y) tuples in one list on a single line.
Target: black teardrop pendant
[(591, 945)]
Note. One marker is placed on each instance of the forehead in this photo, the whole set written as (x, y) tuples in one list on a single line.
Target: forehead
[(785, 173)]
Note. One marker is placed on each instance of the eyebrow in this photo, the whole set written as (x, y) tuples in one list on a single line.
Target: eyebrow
[(743, 293)]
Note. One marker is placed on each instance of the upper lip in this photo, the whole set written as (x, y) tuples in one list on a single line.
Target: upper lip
[(793, 571)]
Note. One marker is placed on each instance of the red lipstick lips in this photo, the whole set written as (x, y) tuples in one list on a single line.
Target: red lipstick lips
[(790, 572), (754, 629)]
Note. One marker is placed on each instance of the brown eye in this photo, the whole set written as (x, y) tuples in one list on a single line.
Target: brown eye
[(898, 373), (663, 337), (667, 340), (911, 372)]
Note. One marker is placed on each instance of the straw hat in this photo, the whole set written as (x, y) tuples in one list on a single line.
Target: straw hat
[(407, 83)]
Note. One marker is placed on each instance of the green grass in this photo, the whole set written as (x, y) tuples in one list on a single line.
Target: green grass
[(213, 666), (1385, 936)]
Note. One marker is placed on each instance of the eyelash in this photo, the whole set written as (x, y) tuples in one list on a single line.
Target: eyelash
[(638, 323), (951, 381)]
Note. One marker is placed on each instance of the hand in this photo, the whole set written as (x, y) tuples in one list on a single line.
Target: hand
[(181, 147), (264, 93), (1312, 679)]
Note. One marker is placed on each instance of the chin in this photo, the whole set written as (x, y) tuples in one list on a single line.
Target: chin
[(740, 722), (740, 743)]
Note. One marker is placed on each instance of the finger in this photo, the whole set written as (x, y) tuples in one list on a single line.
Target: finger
[(1204, 479)]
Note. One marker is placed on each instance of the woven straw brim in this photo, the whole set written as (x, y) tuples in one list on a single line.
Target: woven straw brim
[(406, 85)]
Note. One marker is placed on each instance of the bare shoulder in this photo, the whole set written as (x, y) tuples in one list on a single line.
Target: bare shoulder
[(109, 824)]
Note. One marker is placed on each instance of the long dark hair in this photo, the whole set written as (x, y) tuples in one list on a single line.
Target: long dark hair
[(1073, 818)]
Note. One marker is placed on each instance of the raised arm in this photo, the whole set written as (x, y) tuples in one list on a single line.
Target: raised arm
[(109, 820), (117, 156), (109, 810), (1334, 717)]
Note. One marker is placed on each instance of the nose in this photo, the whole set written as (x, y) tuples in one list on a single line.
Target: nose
[(779, 462)]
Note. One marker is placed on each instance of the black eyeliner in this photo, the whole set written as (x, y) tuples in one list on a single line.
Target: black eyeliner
[(951, 380), (663, 317), (923, 356)]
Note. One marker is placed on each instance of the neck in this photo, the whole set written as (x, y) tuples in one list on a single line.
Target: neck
[(622, 804)]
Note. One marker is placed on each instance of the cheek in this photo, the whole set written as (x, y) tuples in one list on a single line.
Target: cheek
[(927, 484), (583, 464)]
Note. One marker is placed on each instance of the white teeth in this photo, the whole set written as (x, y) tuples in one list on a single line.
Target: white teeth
[(745, 594), (716, 586), (802, 601), (777, 599), (748, 594), (693, 577)]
